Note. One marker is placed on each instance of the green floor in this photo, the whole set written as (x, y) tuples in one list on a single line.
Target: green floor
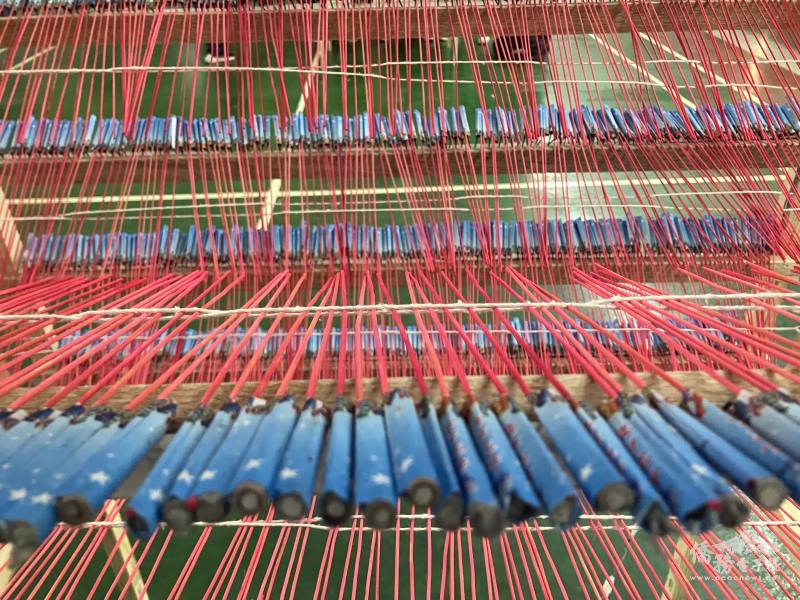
[(179, 549)]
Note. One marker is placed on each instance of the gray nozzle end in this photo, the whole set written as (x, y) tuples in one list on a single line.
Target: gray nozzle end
[(734, 511), (334, 509), (565, 513), (615, 498), (211, 507), (291, 506), (177, 515), (657, 522), (24, 540), (379, 515), (769, 492), (423, 492), (487, 519), (74, 509), (250, 498), (450, 513)]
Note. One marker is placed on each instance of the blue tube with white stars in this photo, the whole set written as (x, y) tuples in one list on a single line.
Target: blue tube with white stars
[(484, 511), (14, 438), (336, 496), (605, 487), (374, 487), (144, 509), (81, 498), (549, 479), (44, 444), (210, 494), (512, 486), (31, 515), (413, 468), (207, 446), (255, 473), (293, 486)]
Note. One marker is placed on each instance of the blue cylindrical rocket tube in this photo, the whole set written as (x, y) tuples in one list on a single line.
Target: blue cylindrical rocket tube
[(255, 473), (748, 441), (81, 498), (336, 497), (210, 494), (771, 424), (373, 480), (690, 497), (732, 511), (27, 513), (414, 471), (512, 486), (175, 511), (558, 493), (765, 488), (293, 486), (651, 510), (484, 511), (449, 509), (144, 509), (605, 487)]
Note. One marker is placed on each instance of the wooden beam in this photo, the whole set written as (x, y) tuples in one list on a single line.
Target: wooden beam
[(6, 571), (537, 183), (683, 558), (11, 246), (52, 172), (372, 21), (117, 544), (187, 395), (789, 511)]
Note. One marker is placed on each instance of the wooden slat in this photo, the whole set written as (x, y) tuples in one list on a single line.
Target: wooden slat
[(10, 240), (391, 163), (789, 535), (683, 558), (123, 559), (7, 572)]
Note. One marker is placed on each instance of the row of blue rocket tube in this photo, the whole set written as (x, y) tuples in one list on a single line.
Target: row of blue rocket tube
[(445, 125), (534, 333), (647, 458), (512, 238)]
